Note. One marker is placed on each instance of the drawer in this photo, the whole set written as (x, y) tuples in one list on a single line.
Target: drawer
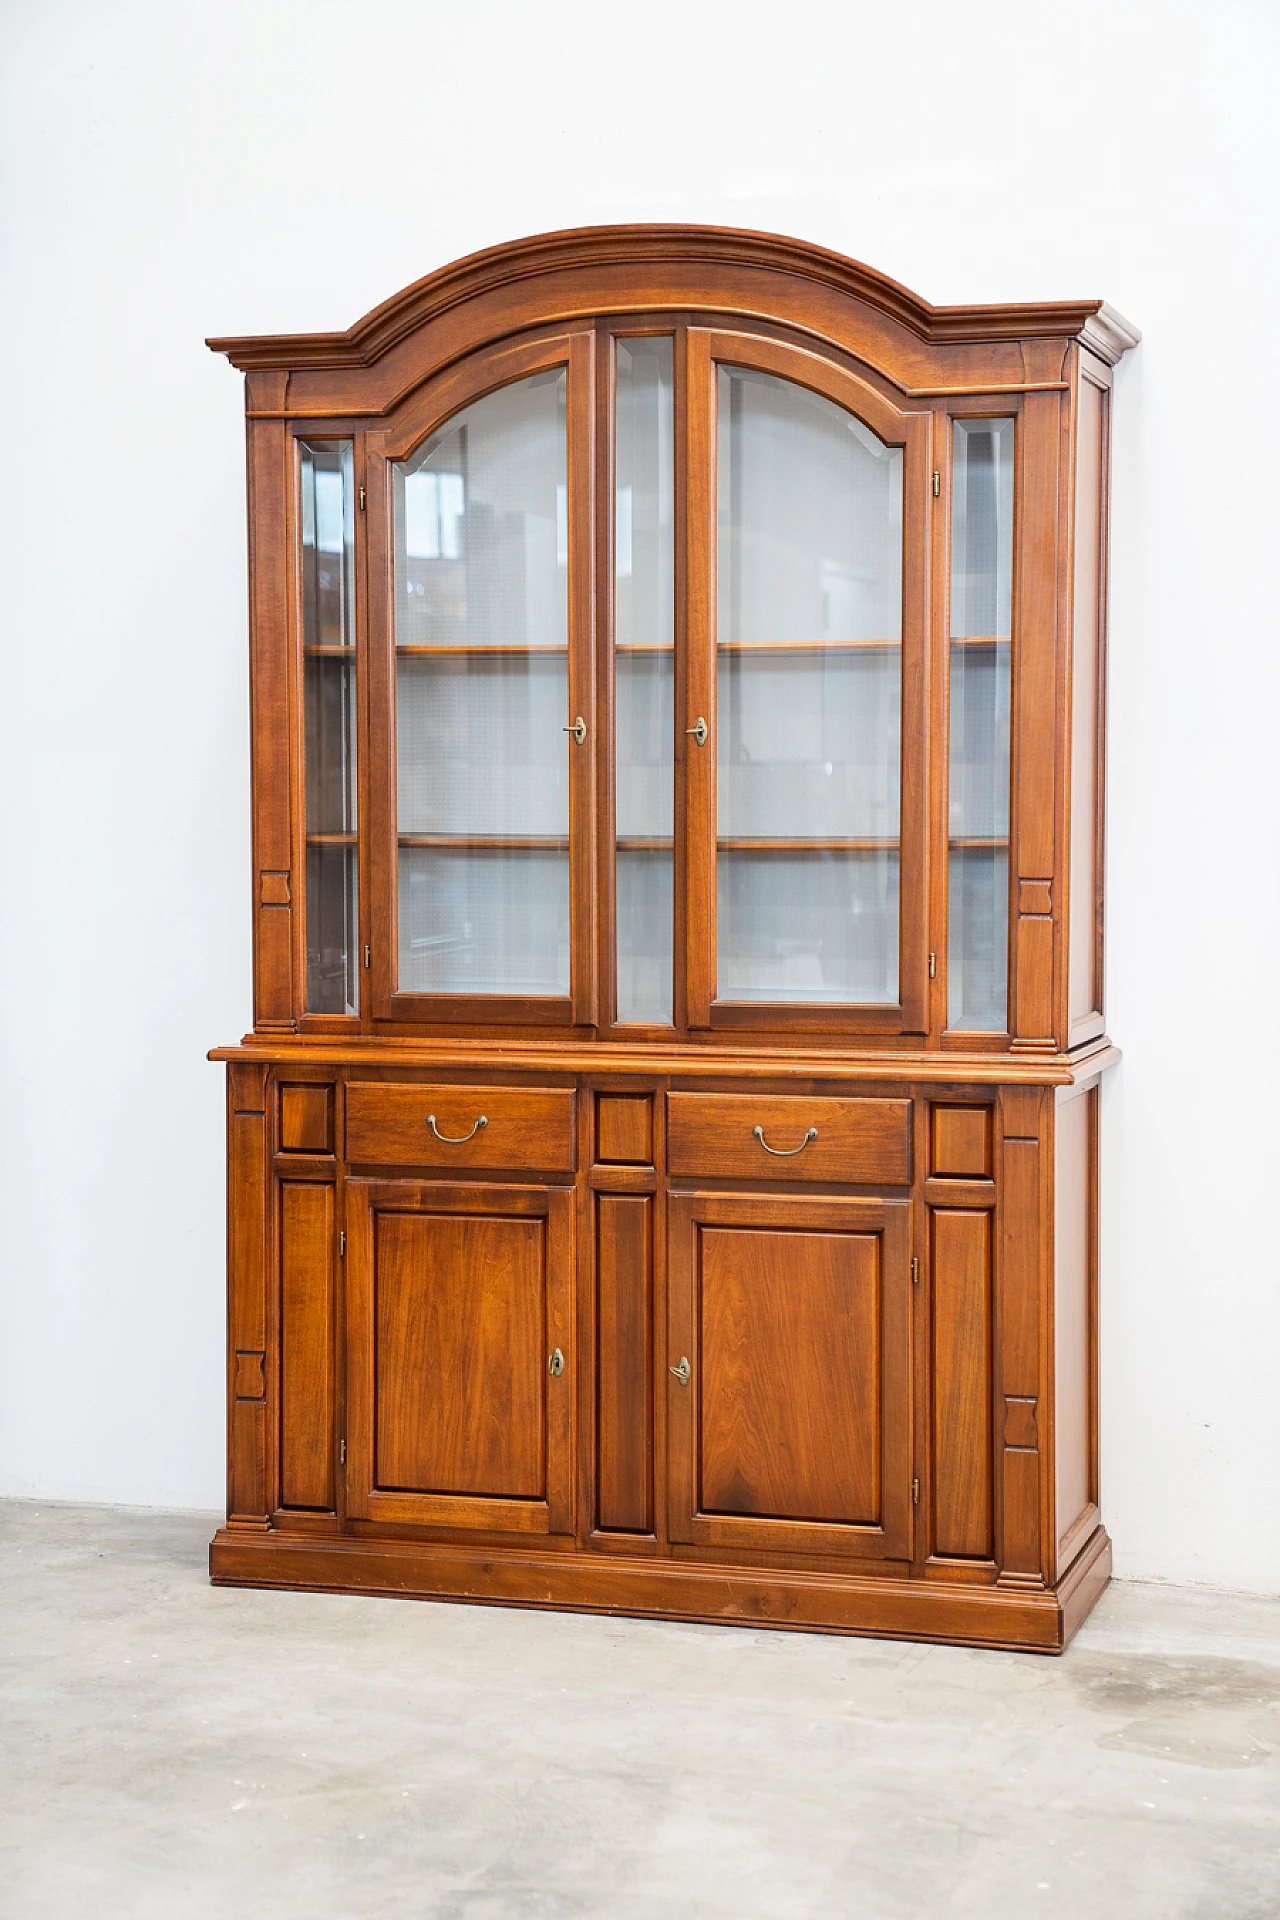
[(854, 1140), (391, 1125)]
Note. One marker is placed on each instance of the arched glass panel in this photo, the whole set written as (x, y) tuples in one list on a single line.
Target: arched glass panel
[(809, 692), (482, 698)]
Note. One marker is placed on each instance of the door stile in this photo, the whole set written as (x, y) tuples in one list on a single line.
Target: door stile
[(680, 920), (699, 555), (913, 827), (296, 698), (583, 758), (605, 730), (380, 752), (364, 891), (939, 723)]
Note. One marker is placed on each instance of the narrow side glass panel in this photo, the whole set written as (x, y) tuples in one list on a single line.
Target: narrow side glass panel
[(482, 698), (981, 625), (809, 690), (644, 651), (329, 702)]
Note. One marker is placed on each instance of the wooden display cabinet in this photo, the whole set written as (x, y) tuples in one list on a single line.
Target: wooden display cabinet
[(663, 1169)]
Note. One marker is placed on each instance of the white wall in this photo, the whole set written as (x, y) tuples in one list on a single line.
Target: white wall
[(175, 170)]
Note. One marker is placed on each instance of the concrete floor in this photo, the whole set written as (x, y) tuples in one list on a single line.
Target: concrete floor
[(172, 1750)]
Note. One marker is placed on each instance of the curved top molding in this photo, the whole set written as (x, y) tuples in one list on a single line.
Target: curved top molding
[(718, 249)]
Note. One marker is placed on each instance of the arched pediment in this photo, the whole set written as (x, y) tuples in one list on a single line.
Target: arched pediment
[(544, 278)]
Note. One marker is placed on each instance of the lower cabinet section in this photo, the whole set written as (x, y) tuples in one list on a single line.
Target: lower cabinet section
[(859, 1398)]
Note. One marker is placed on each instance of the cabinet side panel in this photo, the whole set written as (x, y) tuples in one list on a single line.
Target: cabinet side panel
[(961, 1438), (1073, 1314), (1036, 750), (247, 1333), (1084, 932), (624, 1362), (273, 753), (306, 1346)]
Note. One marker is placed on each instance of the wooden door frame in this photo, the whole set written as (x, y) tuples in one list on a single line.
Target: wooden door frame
[(911, 430), (364, 1200), (425, 412), (889, 1218)]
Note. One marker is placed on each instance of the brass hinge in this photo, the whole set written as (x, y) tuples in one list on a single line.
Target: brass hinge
[(915, 1269), (342, 1246), (362, 495), (937, 485), (915, 1493), (368, 956), (933, 966), (342, 1453)]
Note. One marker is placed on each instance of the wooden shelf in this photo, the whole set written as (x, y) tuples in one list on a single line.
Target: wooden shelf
[(969, 843), (480, 652), (333, 839), (641, 843), (486, 842), (858, 845), (808, 646), (980, 640), (329, 653)]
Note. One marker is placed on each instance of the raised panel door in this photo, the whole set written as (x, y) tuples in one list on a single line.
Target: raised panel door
[(459, 1385), (789, 1374)]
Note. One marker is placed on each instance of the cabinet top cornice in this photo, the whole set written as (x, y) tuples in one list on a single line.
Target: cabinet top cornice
[(704, 250)]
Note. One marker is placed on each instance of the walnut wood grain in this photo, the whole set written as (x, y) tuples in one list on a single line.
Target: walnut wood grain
[(307, 1355), (890, 1424), (857, 1140)]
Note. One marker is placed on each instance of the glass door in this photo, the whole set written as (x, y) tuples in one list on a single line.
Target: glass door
[(644, 677), (806, 725), (978, 775), (492, 718)]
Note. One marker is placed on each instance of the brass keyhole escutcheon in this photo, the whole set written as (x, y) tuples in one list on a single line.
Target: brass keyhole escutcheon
[(555, 1365), (700, 731), (683, 1372), (578, 730)]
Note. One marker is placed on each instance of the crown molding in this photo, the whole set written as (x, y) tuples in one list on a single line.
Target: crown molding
[(1098, 326)]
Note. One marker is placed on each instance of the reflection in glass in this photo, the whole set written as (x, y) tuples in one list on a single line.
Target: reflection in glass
[(809, 693), (329, 703), (644, 635), (482, 698), (981, 625)]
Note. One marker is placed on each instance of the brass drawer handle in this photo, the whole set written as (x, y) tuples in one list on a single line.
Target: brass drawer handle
[(683, 1372), (785, 1153), (456, 1140)]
